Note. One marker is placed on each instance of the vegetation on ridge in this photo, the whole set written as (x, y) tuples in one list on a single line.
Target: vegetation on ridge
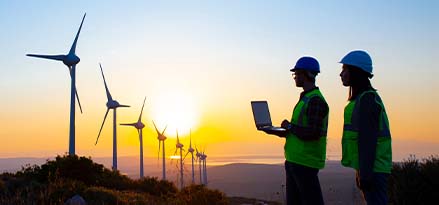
[(415, 181), (58, 180)]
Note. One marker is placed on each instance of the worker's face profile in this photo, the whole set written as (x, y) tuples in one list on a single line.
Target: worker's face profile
[(345, 76), (299, 77)]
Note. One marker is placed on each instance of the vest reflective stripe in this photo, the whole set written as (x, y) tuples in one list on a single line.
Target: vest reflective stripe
[(306, 153), (383, 155), (381, 132)]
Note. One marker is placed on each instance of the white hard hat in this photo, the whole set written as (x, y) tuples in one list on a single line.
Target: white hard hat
[(358, 59)]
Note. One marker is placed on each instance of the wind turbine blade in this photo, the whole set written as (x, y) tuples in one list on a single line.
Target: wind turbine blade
[(190, 138), (141, 111), (109, 98), (77, 97), (51, 57), (128, 124), (123, 106), (164, 130), (76, 90), (178, 139), (185, 155), (73, 48), (105, 117), (158, 132)]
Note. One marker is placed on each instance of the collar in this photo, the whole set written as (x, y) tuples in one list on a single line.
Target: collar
[(308, 91)]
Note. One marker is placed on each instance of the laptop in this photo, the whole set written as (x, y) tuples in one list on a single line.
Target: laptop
[(261, 115)]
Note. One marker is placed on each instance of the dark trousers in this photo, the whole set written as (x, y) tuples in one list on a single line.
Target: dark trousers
[(303, 186), (377, 194)]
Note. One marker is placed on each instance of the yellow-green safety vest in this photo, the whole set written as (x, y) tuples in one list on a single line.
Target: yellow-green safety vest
[(383, 155), (306, 153)]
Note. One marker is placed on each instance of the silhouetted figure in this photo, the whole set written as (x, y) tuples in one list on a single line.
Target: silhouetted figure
[(366, 138), (305, 145)]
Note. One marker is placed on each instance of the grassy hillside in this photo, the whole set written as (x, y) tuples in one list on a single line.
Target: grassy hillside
[(58, 180)]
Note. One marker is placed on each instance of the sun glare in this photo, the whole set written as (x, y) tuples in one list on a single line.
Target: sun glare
[(174, 157), (177, 111)]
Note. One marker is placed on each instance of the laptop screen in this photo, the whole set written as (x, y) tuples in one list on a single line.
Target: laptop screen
[(261, 114)]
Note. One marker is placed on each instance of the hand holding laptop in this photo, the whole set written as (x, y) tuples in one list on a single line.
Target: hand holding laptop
[(261, 115)]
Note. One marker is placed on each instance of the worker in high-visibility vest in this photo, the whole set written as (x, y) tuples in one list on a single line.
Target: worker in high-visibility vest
[(366, 142), (305, 145)]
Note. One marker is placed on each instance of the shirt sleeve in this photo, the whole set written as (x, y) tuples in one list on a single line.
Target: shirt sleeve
[(369, 111), (316, 112)]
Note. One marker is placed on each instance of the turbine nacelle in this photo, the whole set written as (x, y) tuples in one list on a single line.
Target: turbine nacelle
[(139, 125), (191, 150), (161, 137), (113, 104), (71, 59), (179, 145)]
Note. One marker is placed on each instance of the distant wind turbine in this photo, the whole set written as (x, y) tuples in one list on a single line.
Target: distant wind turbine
[(203, 159), (111, 104), (191, 151), (199, 164), (180, 146), (161, 137), (139, 126), (70, 60)]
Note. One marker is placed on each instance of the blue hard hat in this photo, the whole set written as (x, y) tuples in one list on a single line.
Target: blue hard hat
[(307, 63), (360, 59)]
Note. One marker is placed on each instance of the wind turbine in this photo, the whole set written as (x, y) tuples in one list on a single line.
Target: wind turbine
[(180, 146), (139, 126), (203, 158), (191, 150), (70, 60), (161, 137), (198, 154), (111, 104)]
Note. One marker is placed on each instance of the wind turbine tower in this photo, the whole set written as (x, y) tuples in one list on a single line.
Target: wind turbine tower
[(203, 158), (180, 146), (191, 151), (139, 126), (70, 60), (111, 104), (198, 154), (161, 137)]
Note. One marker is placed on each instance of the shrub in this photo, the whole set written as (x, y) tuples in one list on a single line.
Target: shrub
[(2, 187), (100, 195), (415, 182), (62, 189), (153, 186), (199, 194)]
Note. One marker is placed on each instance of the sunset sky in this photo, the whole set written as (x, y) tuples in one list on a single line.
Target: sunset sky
[(200, 63)]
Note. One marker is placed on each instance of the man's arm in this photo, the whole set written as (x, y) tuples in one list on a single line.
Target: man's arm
[(367, 138)]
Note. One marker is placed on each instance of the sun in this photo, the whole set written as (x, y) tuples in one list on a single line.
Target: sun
[(176, 110)]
